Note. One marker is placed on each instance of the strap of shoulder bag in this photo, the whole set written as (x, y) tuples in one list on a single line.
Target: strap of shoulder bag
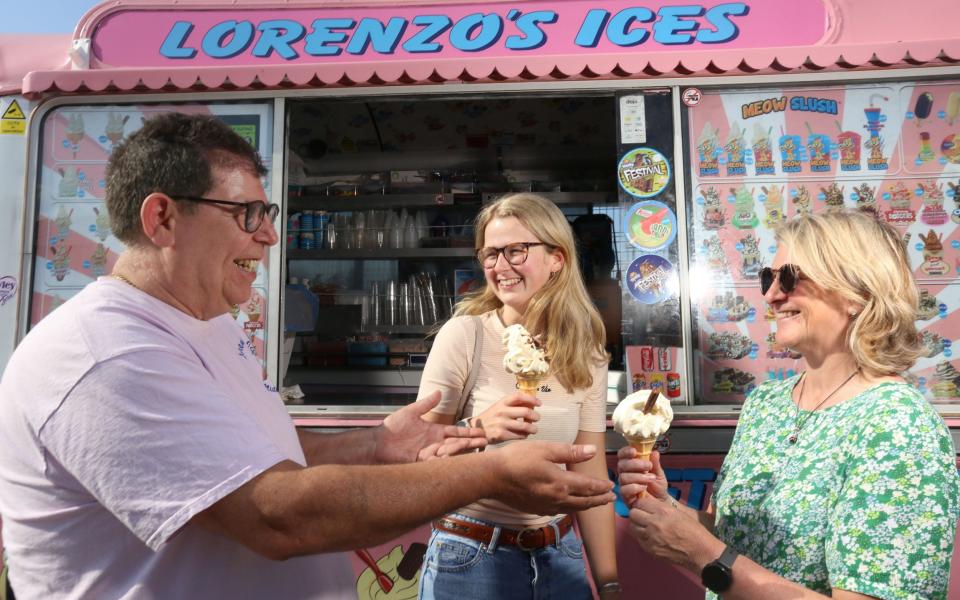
[(474, 366)]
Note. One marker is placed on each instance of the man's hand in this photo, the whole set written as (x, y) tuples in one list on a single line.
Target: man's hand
[(532, 481), (512, 417), (405, 437)]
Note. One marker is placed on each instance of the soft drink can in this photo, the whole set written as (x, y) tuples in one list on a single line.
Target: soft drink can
[(673, 385), (663, 359), (657, 381), (646, 358)]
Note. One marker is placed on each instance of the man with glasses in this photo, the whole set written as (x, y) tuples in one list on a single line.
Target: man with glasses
[(145, 457)]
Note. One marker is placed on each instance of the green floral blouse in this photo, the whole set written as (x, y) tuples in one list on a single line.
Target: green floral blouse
[(865, 501)]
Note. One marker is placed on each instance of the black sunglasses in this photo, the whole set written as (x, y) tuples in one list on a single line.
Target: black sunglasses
[(516, 254), (255, 210), (788, 275)]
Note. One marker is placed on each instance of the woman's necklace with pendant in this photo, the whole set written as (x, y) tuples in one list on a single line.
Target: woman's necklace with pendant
[(798, 423)]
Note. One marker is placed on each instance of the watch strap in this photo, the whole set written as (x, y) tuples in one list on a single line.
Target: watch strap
[(727, 557)]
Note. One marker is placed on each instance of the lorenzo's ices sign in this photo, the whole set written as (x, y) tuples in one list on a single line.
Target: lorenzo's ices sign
[(158, 37)]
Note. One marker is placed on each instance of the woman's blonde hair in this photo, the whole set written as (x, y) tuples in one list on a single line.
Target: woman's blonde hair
[(864, 260), (560, 312)]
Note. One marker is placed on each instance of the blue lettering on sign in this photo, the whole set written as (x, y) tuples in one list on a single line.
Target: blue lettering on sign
[(324, 33), (277, 36), (488, 29), (593, 25), (672, 28), (532, 36), (433, 26), (669, 26), (812, 104), (725, 29), (239, 33), (620, 33), (372, 32), (172, 46)]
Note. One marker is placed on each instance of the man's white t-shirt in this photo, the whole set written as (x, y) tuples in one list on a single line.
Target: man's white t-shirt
[(122, 418)]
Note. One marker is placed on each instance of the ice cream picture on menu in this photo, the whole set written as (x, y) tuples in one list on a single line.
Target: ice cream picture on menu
[(641, 418), (524, 358)]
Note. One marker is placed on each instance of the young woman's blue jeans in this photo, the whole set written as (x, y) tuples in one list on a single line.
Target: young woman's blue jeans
[(459, 568)]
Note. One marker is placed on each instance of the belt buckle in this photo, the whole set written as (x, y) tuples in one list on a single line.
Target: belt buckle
[(520, 535)]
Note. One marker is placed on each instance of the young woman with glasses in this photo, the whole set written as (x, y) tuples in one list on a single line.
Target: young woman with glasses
[(841, 481), (525, 247)]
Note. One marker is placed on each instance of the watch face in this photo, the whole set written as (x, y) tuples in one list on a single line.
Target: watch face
[(716, 577)]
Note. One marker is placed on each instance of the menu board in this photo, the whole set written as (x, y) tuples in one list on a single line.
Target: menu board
[(74, 242), (760, 156)]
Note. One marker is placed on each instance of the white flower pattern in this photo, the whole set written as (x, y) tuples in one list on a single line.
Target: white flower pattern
[(865, 501)]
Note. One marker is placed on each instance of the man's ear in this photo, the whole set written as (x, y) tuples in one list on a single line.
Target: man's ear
[(158, 218)]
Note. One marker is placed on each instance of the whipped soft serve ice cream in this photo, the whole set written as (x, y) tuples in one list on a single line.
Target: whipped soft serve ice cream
[(523, 358), (630, 420)]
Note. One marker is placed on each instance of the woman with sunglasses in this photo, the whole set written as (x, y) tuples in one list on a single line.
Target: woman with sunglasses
[(487, 550), (842, 480)]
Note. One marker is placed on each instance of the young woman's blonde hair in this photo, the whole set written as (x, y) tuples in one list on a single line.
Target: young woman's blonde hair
[(865, 261), (561, 312)]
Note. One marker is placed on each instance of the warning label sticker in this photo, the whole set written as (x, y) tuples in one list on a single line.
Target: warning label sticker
[(13, 120)]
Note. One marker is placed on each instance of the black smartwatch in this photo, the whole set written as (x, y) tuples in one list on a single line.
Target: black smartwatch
[(717, 576)]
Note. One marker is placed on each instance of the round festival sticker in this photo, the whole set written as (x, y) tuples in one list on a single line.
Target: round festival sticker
[(650, 225), (651, 279), (643, 172)]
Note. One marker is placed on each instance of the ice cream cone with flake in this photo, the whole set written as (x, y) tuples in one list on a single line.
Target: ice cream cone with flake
[(641, 418), (524, 358)]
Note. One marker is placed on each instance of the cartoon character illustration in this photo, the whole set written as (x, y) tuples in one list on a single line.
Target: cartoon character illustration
[(833, 196), (875, 145), (75, 131), (98, 261), (932, 212), (114, 128), (101, 223), (762, 150), (773, 205), (714, 215), (63, 221), (395, 576), (933, 263), (900, 212), (802, 200), (736, 151), (69, 182), (848, 142), (789, 149), (750, 268), (744, 215), (708, 149), (866, 199), (61, 259)]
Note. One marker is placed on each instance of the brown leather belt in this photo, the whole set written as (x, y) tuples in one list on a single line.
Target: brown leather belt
[(529, 538)]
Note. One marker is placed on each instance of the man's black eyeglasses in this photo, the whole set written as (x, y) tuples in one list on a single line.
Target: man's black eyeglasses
[(516, 254), (788, 275), (254, 210)]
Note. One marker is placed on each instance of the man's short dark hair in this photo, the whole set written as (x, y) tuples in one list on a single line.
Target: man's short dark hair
[(175, 154)]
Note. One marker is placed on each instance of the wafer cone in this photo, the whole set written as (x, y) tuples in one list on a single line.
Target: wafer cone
[(644, 446), (528, 384)]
